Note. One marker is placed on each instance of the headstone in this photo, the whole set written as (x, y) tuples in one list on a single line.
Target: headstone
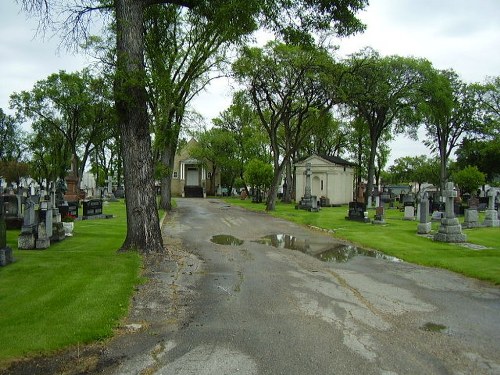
[(437, 215), (58, 233), (308, 202), (471, 218), (26, 239), (491, 215), (120, 192), (43, 239), (243, 194), (357, 212), (424, 226), (379, 216), (92, 207), (450, 229), (409, 213), (5, 251), (12, 206), (473, 203)]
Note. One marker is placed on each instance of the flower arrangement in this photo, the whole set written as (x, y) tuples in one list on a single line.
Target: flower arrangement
[(68, 218)]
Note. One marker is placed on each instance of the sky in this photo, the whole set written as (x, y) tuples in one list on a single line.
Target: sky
[(463, 35)]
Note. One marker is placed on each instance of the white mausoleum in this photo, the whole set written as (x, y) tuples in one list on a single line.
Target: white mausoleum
[(331, 177)]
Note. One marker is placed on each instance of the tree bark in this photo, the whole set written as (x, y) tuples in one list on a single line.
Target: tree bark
[(143, 228), (167, 159)]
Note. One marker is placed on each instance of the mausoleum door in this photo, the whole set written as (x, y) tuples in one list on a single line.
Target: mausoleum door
[(192, 176), (316, 187)]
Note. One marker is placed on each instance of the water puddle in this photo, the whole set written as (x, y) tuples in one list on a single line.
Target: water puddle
[(342, 253), (434, 327), (338, 253), (285, 241), (226, 239)]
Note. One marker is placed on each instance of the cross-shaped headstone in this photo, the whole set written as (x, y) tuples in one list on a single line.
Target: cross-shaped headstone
[(449, 194), (307, 192)]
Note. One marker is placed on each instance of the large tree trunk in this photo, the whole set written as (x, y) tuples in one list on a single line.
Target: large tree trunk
[(287, 193), (273, 191), (143, 228), (166, 184), (167, 159)]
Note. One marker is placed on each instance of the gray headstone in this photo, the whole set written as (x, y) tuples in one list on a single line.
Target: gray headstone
[(491, 215), (471, 218), (409, 213), (450, 229)]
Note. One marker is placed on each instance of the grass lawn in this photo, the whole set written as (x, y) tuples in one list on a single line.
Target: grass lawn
[(74, 292), (398, 238)]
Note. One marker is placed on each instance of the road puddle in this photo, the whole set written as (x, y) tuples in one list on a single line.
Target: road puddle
[(225, 239), (338, 253), (342, 253), (434, 327)]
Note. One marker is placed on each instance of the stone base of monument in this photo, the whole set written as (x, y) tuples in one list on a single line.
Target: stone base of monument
[(58, 233), (379, 216), (26, 241), (491, 219), (424, 228), (309, 204), (6, 256), (450, 231)]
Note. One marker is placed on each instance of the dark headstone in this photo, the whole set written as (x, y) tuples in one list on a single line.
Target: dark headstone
[(357, 212), (92, 207)]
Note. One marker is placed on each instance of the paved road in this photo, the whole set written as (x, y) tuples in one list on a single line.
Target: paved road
[(258, 309)]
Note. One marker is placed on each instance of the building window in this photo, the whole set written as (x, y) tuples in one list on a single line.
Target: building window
[(321, 185), (175, 174)]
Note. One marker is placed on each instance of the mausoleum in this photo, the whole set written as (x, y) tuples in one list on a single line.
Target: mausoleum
[(190, 176), (332, 178)]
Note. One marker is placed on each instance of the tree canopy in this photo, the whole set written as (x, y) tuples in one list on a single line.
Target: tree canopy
[(383, 93), (287, 86), (292, 19)]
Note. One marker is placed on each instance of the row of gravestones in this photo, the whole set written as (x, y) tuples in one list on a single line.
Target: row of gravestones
[(40, 220), (450, 229)]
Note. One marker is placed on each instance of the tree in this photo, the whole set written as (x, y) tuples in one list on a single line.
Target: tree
[(12, 138), (287, 86), (383, 92), (469, 179), (76, 106), (450, 110), (259, 175), (192, 48), (489, 101), (417, 169), (251, 143), (289, 18), (216, 147), (482, 153), (13, 170)]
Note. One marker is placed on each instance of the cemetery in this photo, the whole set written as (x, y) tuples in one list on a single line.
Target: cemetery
[(43, 217)]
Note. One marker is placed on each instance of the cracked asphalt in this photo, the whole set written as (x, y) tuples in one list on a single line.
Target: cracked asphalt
[(257, 309)]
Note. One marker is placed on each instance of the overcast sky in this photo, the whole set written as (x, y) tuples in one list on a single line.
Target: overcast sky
[(460, 34)]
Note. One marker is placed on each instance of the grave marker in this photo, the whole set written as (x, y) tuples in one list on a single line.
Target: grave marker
[(424, 226), (450, 229), (491, 215)]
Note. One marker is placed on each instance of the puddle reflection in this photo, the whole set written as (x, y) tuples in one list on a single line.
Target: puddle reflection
[(225, 239), (339, 253)]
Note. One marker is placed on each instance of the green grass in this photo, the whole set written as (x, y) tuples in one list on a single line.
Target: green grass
[(74, 292), (398, 238)]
